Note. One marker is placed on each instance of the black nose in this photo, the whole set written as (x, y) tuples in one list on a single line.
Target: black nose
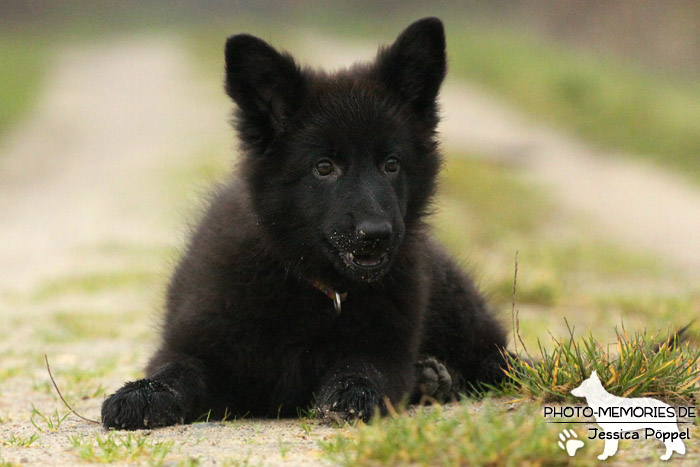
[(371, 230)]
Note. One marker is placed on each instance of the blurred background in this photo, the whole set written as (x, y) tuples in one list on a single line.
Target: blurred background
[(571, 130)]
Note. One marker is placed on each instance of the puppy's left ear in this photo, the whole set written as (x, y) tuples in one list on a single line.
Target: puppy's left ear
[(415, 64)]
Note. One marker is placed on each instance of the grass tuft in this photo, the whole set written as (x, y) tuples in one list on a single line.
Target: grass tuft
[(51, 421), (23, 441), (634, 366)]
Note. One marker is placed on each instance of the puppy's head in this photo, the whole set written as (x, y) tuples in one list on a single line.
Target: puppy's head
[(341, 168)]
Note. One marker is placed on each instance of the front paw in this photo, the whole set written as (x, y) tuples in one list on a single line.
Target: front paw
[(433, 381), (142, 404), (349, 399)]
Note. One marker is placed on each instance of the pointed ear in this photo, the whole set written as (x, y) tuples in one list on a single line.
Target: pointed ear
[(415, 64), (267, 86), (594, 375)]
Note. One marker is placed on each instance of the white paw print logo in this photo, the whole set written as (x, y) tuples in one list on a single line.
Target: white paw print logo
[(569, 442)]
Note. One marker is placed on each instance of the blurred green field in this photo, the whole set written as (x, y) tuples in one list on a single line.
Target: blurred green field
[(616, 105), (24, 64)]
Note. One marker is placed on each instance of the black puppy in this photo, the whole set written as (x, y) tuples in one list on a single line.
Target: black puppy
[(312, 280)]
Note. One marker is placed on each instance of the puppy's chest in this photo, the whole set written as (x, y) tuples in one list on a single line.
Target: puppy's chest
[(300, 320)]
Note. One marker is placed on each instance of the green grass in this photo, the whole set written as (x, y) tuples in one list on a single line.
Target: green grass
[(96, 283), (189, 462), (10, 372), (50, 422), (78, 382), (68, 326), (198, 176), (24, 65), (22, 441), (474, 434), (663, 307), (474, 188), (120, 448)]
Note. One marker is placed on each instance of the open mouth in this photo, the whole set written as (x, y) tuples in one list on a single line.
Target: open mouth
[(370, 261)]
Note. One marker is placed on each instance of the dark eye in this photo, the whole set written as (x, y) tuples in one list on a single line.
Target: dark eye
[(324, 167), (391, 164)]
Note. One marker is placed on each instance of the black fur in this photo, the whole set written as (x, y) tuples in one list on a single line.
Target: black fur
[(336, 180)]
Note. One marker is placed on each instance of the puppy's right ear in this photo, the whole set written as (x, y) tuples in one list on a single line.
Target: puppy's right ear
[(267, 86)]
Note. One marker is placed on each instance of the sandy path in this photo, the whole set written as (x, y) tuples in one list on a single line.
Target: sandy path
[(80, 174), (639, 206)]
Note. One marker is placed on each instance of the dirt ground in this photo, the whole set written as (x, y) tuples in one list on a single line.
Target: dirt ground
[(86, 184)]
